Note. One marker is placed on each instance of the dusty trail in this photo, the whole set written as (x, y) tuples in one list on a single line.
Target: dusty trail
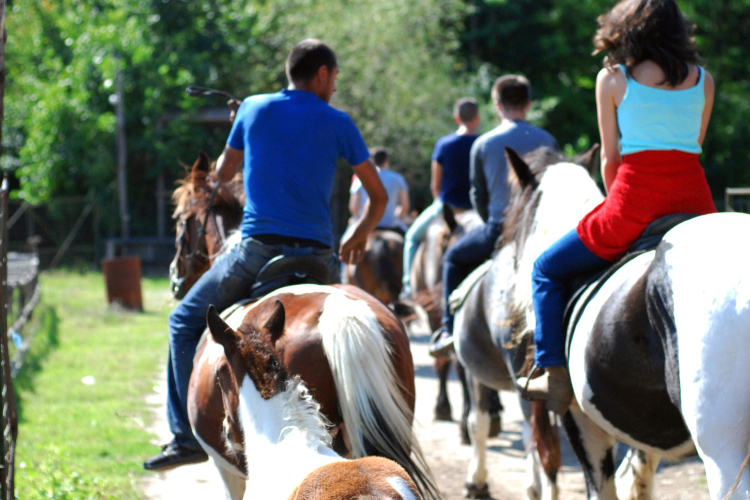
[(448, 459)]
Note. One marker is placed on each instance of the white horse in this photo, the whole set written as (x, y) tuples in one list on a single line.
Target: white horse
[(289, 454), (658, 359)]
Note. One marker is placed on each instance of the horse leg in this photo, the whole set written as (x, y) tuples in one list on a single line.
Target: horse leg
[(479, 429), (635, 476), (540, 484), (443, 406), (594, 449), (464, 424), (234, 485), (496, 413)]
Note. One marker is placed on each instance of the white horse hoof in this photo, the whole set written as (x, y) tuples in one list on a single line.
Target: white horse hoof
[(474, 491)]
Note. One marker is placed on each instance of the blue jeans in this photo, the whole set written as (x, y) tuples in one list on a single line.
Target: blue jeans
[(413, 238), (567, 258), (463, 257), (227, 281)]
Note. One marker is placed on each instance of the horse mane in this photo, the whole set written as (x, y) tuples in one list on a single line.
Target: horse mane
[(301, 411), (524, 200), (303, 414), (193, 191)]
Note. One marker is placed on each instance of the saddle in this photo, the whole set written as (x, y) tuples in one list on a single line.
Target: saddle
[(586, 287), (289, 270)]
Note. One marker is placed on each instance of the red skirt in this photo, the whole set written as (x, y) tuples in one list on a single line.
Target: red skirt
[(648, 185)]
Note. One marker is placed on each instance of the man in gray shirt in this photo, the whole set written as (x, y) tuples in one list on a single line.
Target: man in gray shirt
[(490, 190)]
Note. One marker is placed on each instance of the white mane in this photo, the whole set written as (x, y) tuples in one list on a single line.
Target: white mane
[(567, 194), (302, 413)]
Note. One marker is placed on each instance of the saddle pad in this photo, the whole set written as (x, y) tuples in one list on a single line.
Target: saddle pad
[(458, 297)]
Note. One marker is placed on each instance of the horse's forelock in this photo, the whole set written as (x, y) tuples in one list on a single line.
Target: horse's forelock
[(193, 191)]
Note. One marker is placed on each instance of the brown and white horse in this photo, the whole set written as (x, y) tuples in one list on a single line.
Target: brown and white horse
[(202, 232), (288, 449), (351, 352)]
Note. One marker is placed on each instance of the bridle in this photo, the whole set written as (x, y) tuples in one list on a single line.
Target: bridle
[(196, 252)]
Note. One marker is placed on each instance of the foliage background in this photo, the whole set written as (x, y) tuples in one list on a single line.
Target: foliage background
[(403, 64)]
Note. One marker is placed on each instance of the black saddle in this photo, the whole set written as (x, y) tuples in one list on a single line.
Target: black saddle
[(586, 287), (289, 270)]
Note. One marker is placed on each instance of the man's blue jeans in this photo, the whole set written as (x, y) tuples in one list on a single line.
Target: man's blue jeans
[(567, 258), (463, 257), (413, 238), (228, 281)]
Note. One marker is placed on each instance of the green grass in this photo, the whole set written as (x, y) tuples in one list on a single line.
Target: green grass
[(78, 441)]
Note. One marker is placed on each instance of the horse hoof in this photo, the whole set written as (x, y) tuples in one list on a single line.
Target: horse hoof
[(443, 413), (474, 491), (496, 425), (532, 493)]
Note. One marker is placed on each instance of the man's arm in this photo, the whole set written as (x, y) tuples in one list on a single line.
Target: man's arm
[(436, 179), (479, 195), (229, 163), (402, 209), (352, 247)]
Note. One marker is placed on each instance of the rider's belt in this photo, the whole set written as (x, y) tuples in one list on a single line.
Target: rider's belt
[(290, 241)]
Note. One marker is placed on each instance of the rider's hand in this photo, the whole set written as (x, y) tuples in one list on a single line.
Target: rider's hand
[(234, 105), (352, 247)]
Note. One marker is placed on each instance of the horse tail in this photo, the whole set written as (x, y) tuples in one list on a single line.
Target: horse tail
[(547, 441), (380, 262), (375, 413)]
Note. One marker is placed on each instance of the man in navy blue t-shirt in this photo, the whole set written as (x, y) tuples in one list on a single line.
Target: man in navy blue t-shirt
[(288, 145), (449, 181)]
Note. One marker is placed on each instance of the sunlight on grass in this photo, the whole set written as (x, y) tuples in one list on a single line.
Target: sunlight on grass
[(79, 440)]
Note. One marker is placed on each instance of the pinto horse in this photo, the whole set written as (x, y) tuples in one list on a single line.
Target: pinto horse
[(289, 451), (206, 216), (489, 345), (427, 274), (380, 270), (352, 353), (658, 357)]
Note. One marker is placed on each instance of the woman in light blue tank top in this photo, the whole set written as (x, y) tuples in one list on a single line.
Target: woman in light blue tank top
[(653, 105)]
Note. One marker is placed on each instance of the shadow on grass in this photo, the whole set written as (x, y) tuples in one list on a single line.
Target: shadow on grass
[(44, 342)]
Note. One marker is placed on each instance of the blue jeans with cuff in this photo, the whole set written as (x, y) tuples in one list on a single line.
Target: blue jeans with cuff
[(227, 281), (565, 259)]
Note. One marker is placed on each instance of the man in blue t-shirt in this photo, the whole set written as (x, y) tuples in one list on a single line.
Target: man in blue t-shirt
[(490, 191), (449, 181), (288, 145)]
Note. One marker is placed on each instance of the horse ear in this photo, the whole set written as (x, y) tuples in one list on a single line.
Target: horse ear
[(522, 170), (590, 160), (202, 163), (275, 323), (220, 331), (450, 217)]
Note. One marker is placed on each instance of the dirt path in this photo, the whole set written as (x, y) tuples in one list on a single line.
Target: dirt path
[(448, 459)]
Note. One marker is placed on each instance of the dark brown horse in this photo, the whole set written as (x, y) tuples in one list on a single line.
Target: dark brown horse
[(289, 450), (379, 272), (202, 233), (353, 355)]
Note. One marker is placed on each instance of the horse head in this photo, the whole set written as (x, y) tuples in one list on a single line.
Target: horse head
[(206, 213)]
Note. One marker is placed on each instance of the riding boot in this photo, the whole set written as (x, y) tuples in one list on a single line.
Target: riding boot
[(553, 387)]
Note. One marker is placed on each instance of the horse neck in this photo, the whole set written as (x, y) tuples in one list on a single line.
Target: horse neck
[(567, 194), (280, 447)]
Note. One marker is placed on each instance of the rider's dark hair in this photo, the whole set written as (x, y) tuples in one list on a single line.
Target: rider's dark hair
[(466, 109), (306, 58), (379, 155), (512, 91), (638, 30)]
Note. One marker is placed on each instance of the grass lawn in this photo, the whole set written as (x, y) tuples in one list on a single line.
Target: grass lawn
[(87, 441)]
